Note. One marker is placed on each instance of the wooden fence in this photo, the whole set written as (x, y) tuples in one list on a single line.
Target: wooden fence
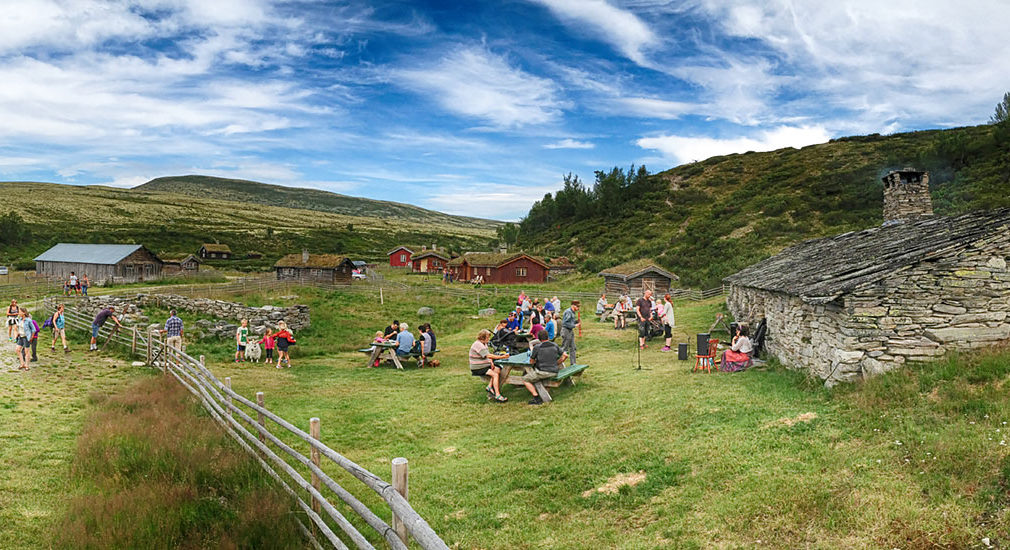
[(250, 423)]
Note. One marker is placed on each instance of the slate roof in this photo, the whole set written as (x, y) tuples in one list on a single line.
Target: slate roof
[(212, 247), (637, 268), (819, 270), (102, 254), (317, 261), (426, 253)]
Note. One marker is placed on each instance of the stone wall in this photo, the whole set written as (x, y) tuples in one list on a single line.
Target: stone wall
[(919, 313), (229, 314), (906, 196)]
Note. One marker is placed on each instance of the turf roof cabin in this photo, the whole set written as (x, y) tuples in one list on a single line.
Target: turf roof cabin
[(429, 261), (635, 277), (103, 263), (562, 265), (869, 301), (513, 268), (180, 263), (321, 268), (211, 251)]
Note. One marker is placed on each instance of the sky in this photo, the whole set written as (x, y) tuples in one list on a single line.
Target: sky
[(473, 107)]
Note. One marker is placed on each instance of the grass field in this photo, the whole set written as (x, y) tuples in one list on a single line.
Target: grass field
[(765, 458)]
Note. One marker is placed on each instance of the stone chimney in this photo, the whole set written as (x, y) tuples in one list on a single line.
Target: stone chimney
[(305, 256), (906, 196)]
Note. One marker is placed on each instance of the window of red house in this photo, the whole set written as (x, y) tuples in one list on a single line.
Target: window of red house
[(520, 272)]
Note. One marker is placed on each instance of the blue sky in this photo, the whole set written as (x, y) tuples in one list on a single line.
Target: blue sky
[(475, 107)]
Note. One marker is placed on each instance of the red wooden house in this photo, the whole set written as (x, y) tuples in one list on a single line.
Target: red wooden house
[(501, 268), (400, 256), (429, 261)]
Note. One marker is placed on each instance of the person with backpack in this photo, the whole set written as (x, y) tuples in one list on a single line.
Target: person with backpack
[(34, 340), (58, 324), (25, 330)]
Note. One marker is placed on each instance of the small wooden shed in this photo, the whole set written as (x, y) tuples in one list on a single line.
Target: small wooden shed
[(180, 263), (215, 251), (102, 263), (562, 265), (322, 268), (635, 277)]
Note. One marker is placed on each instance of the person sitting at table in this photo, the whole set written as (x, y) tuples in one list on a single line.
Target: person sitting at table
[(514, 324), (620, 322), (549, 306), (546, 358), (404, 341), (392, 330), (481, 364), (552, 326), (738, 356), (601, 306), (503, 337), (535, 329)]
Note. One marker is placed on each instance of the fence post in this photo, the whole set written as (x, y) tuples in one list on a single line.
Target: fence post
[(316, 482), (133, 343), (227, 383), (400, 484), (150, 344), (259, 416), (381, 301)]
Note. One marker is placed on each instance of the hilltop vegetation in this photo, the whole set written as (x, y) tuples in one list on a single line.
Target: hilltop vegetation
[(245, 191), (708, 219), (168, 222)]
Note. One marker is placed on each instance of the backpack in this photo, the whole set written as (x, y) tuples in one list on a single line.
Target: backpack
[(35, 336), (48, 323)]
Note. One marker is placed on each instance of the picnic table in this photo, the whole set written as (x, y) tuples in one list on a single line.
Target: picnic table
[(376, 350), (565, 375)]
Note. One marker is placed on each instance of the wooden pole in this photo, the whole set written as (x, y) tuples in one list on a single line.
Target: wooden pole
[(150, 344), (316, 482), (259, 416), (381, 301), (227, 382), (400, 484), (133, 343)]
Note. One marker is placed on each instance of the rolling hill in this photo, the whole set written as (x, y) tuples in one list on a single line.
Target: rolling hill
[(245, 191), (709, 219), (174, 222)]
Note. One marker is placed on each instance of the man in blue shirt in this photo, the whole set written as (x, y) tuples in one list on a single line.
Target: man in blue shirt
[(514, 323), (404, 341), (173, 328)]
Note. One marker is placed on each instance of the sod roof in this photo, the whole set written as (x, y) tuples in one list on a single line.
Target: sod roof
[(213, 247), (637, 268), (316, 261)]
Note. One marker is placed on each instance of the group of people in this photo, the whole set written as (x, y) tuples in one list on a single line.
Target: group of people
[(537, 316), (76, 286), (647, 310), (281, 340), (406, 344), (546, 359), (24, 331)]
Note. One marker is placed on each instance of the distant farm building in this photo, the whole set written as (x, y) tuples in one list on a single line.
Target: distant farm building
[(865, 302), (321, 268), (513, 268), (635, 277), (562, 265), (400, 256), (215, 252), (429, 261), (103, 263), (180, 263)]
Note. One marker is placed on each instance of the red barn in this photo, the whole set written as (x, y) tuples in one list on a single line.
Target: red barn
[(400, 256), (503, 268)]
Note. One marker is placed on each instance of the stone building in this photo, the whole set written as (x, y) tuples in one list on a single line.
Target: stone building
[(102, 263), (322, 268), (635, 277), (866, 302)]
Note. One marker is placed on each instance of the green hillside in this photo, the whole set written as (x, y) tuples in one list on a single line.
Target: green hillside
[(168, 222), (308, 199), (707, 220)]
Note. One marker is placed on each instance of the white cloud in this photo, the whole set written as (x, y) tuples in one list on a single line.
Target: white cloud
[(475, 83), (684, 149), (648, 107), (569, 143), (624, 30)]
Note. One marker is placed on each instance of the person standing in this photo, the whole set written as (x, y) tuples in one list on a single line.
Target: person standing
[(84, 284), (74, 283), (557, 304), (283, 338), (526, 307), (668, 321), (13, 311), (601, 307), (643, 309), (173, 329), (569, 322), (100, 320), (59, 329), (34, 340), (24, 335), (241, 340)]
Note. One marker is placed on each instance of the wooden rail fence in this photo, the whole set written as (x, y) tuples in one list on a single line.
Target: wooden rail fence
[(249, 422)]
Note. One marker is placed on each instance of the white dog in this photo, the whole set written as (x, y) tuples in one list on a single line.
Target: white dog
[(253, 352)]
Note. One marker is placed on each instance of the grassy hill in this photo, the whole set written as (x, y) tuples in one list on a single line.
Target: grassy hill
[(245, 191), (706, 220), (172, 222)]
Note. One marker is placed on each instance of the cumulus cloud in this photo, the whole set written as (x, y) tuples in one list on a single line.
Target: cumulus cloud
[(476, 83), (569, 143), (684, 149), (622, 29)]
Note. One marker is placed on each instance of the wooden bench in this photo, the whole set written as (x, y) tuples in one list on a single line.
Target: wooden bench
[(566, 375), (375, 353)]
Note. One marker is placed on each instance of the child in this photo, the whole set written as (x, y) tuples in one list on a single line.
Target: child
[(241, 340), (268, 345), (378, 340), (283, 338)]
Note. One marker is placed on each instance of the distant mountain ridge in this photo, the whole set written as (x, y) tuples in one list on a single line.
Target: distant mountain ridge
[(247, 191)]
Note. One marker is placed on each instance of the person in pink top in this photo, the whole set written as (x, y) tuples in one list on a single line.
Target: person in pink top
[(268, 345)]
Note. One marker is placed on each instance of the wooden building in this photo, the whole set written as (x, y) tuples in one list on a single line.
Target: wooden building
[(514, 268), (562, 265), (400, 256), (180, 263), (635, 277), (102, 263), (211, 251), (322, 268), (429, 261)]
